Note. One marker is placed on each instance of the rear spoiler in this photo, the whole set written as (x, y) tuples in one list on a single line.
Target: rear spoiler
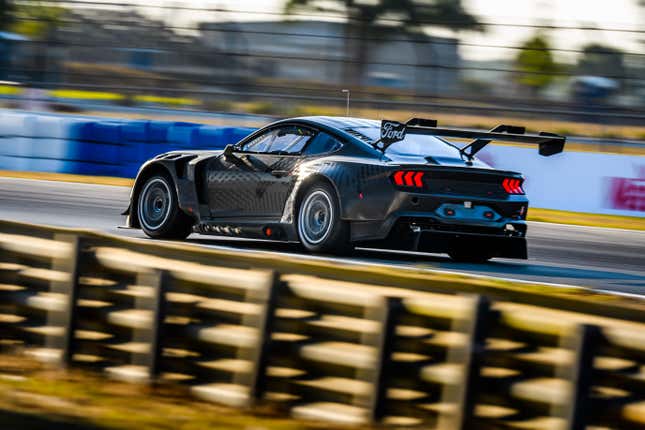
[(393, 131)]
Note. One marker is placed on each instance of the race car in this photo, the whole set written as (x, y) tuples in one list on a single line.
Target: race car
[(335, 183)]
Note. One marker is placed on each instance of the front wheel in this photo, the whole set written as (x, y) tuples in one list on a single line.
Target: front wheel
[(319, 225), (158, 211)]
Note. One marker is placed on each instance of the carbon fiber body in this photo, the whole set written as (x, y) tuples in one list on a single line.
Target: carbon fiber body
[(245, 193)]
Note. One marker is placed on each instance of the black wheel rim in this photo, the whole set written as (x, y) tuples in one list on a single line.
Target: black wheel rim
[(154, 204), (316, 217)]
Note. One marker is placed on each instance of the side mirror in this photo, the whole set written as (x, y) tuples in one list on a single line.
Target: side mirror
[(228, 150)]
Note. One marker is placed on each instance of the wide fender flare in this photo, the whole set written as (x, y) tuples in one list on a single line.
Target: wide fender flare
[(351, 181), (185, 188)]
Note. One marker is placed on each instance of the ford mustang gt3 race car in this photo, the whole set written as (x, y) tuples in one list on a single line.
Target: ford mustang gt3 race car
[(335, 183)]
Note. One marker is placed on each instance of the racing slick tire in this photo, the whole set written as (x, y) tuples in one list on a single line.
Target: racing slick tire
[(158, 212), (320, 227), (469, 257)]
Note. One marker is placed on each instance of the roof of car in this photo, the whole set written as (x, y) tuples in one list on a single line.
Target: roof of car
[(341, 123)]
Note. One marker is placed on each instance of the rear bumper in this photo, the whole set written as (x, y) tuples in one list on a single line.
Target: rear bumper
[(504, 238)]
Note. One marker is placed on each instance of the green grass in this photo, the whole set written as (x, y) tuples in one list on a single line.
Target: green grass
[(66, 177), (76, 397), (585, 219), (108, 96), (86, 95), (10, 90), (176, 101)]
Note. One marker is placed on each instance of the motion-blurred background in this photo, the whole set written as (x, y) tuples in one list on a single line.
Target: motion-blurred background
[(465, 61)]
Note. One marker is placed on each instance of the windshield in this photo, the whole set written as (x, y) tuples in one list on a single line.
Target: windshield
[(414, 145)]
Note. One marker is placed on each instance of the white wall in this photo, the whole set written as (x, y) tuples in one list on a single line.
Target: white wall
[(576, 181)]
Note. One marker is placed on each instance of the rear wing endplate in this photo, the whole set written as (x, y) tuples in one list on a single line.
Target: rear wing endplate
[(393, 131)]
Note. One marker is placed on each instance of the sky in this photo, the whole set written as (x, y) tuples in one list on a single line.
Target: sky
[(623, 14)]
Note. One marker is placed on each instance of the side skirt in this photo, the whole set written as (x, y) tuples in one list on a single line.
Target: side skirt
[(251, 229)]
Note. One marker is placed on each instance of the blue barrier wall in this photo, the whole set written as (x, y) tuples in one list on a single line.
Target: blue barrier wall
[(96, 146)]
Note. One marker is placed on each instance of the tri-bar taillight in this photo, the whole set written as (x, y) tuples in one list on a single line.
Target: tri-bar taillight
[(513, 185), (408, 178)]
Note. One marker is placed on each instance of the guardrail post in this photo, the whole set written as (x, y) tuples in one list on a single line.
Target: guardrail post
[(70, 317), (159, 281), (478, 332), (585, 342), (265, 330), (391, 309), (475, 326)]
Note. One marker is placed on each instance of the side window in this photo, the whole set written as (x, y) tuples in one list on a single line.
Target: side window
[(322, 144), (260, 143), (290, 140), (285, 140)]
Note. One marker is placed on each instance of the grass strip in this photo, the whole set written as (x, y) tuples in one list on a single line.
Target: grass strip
[(586, 219), (85, 95), (66, 177), (33, 393)]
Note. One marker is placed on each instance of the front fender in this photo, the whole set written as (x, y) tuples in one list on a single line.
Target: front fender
[(175, 168)]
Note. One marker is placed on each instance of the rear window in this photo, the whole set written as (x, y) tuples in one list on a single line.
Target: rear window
[(413, 144)]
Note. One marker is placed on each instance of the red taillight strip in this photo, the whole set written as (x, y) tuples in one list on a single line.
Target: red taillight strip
[(398, 178), (418, 179), (512, 186), (408, 178)]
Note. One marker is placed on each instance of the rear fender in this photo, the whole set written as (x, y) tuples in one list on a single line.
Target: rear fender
[(362, 189)]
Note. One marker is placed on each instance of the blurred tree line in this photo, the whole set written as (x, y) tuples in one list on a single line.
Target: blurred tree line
[(36, 20), (6, 14), (366, 20), (535, 65), (538, 68)]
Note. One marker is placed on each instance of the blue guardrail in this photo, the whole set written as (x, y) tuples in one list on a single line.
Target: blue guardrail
[(96, 146)]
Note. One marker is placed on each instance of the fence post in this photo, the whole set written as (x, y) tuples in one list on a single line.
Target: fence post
[(475, 326), (159, 281), (478, 332), (391, 309), (585, 342), (70, 317), (265, 330)]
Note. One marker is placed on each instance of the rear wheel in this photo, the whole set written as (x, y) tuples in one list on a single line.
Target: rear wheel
[(319, 225), (158, 211)]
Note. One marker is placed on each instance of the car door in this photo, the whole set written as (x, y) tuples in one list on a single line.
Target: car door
[(255, 180)]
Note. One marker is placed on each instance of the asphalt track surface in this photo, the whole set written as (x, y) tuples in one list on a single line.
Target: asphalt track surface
[(599, 258)]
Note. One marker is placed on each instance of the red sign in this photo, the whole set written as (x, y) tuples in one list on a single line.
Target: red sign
[(627, 194)]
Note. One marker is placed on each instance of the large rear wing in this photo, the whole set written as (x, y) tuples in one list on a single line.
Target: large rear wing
[(393, 131)]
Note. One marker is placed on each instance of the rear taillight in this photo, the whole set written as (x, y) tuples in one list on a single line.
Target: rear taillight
[(408, 178), (513, 185)]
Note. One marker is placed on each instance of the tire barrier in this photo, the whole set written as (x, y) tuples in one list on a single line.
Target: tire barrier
[(243, 330), (103, 147)]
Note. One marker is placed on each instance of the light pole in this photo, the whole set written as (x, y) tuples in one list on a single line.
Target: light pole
[(348, 94)]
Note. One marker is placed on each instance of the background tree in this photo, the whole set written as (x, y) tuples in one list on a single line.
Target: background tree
[(404, 15), (37, 20), (600, 60), (6, 14), (535, 64)]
